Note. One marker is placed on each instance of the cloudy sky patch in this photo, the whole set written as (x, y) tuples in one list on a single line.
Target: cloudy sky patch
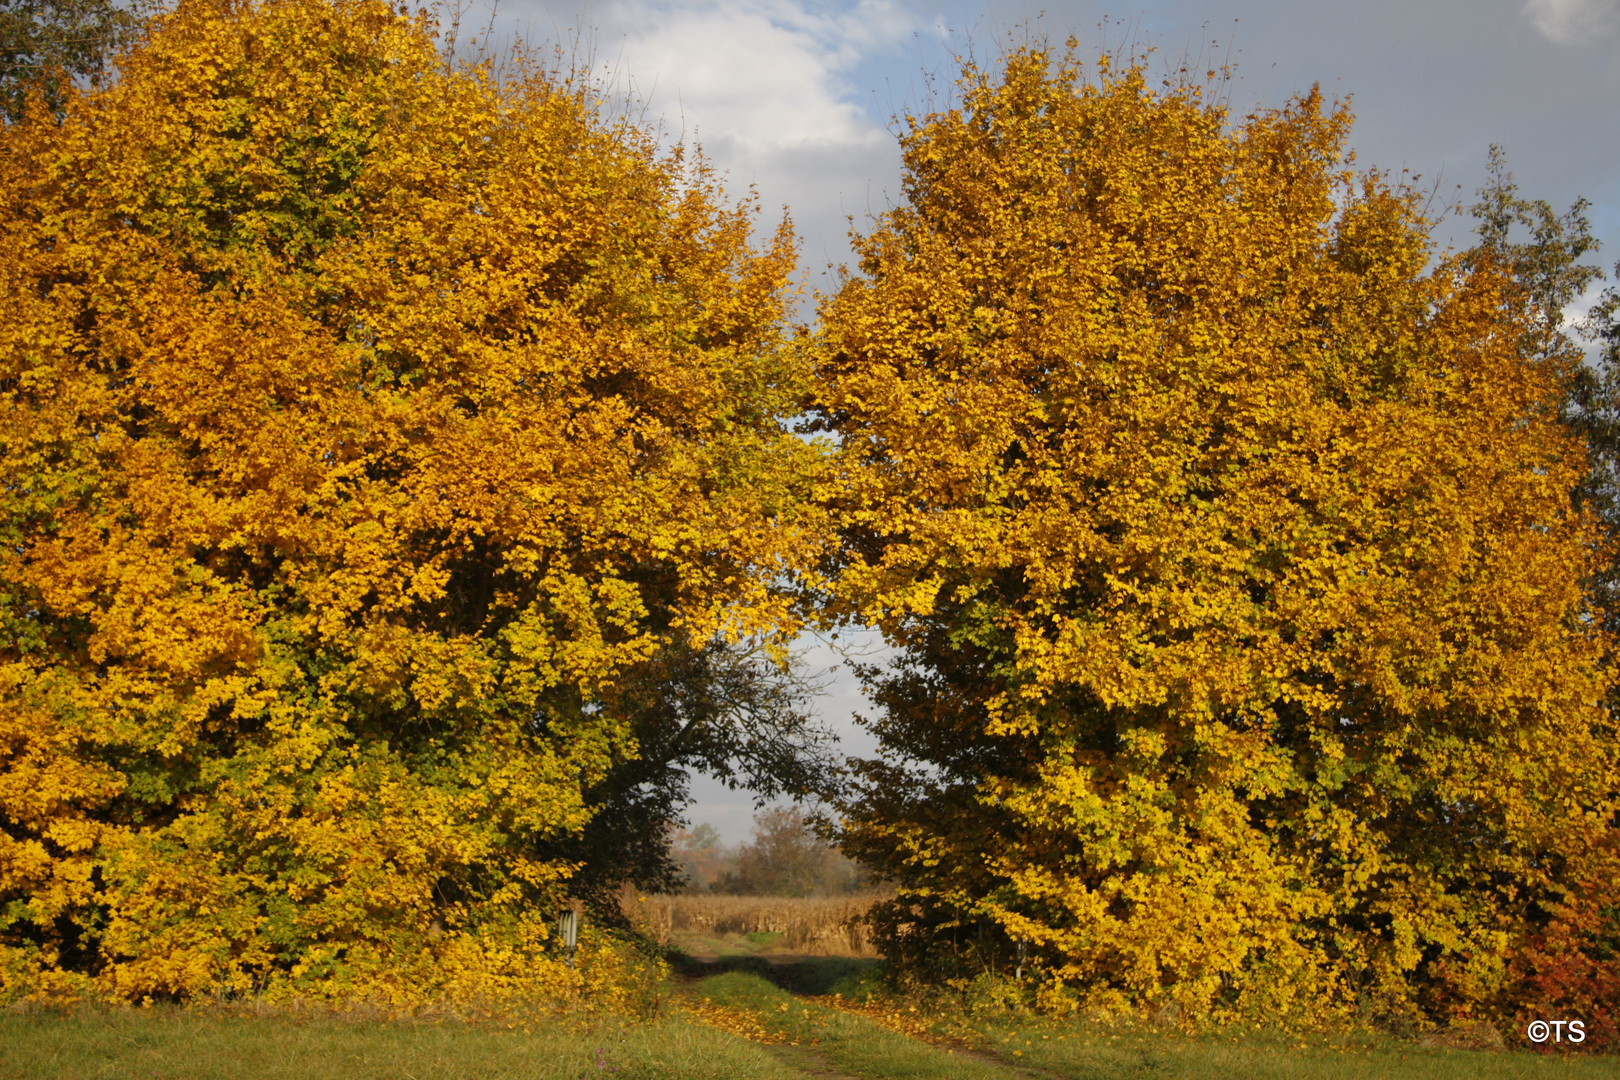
[(754, 77), (780, 94), (1574, 22)]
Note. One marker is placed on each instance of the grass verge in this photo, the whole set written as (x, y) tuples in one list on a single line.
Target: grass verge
[(1090, 1051), (157, 1045)]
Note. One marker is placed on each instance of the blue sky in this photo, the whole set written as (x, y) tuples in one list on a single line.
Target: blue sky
[(797, 98)]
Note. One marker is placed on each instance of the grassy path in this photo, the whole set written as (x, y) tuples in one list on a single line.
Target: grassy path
[(822, 1037), (843, 1043), (735, 1025)]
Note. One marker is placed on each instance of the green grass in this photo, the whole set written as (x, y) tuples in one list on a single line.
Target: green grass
[(153, 1046), (832, 1045), (699, 943), (1049, 1049), (826, 974), (851, 1044), (1100, 1052)]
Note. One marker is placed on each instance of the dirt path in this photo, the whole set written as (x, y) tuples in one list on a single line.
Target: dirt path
[(958, 1047), (825, 1037), (812, 1063)]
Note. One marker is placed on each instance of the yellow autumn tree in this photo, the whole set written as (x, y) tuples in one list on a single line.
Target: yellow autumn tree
[(1229, 554), (364, 421)]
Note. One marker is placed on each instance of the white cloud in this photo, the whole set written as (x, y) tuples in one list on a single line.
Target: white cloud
[(1571, 22), (758, 75), (770, 90)]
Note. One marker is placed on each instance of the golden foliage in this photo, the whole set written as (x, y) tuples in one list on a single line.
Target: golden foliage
[(374, 433), (362, 420), (1231, 555), (743, 1023)]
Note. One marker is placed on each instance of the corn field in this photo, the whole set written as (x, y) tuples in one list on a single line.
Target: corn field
[(815, 926)]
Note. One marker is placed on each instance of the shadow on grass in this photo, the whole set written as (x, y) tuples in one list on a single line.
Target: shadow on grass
[(811, 975)]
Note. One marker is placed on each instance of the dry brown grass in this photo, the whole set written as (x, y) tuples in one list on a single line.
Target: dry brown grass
[(809, 926)]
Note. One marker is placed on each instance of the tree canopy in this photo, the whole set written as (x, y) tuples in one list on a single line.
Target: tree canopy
[(399, 492), (371, 429), (44, 43), (1227, 536)]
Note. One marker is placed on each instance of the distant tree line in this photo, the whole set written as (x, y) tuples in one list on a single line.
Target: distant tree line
[(786, 857)]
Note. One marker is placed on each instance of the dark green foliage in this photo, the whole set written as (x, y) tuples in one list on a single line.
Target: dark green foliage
[(46, 43), (724, 710)]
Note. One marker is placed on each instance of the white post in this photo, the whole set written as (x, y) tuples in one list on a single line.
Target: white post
[(568, 931)]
